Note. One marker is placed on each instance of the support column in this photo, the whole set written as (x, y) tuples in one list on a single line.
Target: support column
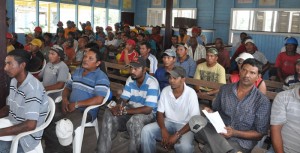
[(3, 76), (168, 28)]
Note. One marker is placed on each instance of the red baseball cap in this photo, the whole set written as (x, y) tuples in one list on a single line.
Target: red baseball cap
[(130, 42), (9, 35), (38, 29)]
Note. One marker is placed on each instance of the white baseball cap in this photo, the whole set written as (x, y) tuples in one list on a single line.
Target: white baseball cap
[(64, 131), (249, 40), (197, 123), (244, 56)]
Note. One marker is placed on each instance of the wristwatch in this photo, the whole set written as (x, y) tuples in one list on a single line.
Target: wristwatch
[(124, 112), (76, 104)]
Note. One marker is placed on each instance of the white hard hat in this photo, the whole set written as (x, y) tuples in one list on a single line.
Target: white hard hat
[(64, 131), (244, 56)]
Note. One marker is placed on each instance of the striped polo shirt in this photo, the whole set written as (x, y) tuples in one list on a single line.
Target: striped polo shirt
[(153, 63), (28, 102), (145, 95), (93, 84), (286, 112)]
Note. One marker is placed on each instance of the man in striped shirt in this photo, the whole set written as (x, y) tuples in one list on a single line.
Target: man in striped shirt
[(145, 49), (27, 103), (88, 86), (137, 108)]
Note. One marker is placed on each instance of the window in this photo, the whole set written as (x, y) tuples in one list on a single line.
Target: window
[(25, 16), (268, 20), (48, 17), (157, 16), (113, 17), (67, 12), (84, 14), (99, 17)]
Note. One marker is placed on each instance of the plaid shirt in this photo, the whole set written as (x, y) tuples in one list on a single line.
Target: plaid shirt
[(251, 113)]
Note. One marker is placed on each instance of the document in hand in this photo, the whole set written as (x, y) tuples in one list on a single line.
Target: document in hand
[(216, 120)]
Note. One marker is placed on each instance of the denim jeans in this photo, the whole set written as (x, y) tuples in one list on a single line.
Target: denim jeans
[(152, 132), (5, 147)]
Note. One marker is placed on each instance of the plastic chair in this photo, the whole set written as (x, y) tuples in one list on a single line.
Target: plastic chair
[(58, 98), (77, 141), (37, 72), (38, 148)]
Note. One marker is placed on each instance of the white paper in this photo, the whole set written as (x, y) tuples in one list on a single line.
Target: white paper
[(216, 120)]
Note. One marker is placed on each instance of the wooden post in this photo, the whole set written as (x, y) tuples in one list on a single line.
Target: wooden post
[(3, 76), (168, 28)]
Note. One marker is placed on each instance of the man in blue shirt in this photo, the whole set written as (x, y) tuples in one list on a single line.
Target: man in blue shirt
[(137, 108), (88, 86), (169, 59), (244, 110), (185, 61)]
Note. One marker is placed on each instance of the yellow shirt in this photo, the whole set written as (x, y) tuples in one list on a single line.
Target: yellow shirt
[(213, 74)]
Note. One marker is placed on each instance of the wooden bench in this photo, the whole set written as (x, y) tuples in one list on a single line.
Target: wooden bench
[(273, 85)]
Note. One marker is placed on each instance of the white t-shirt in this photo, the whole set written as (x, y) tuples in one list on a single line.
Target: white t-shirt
[(178, 110), (153, 63)]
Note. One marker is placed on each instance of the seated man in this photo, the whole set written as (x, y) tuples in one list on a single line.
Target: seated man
[(26, 104), (56, 71), (244, 110), (293, 80), (285, 121), (285, 61), (88, 86), (210, 70), (145, 49), (169, 59), (196, 51), (185, 61), (137, 108), (177, 104)]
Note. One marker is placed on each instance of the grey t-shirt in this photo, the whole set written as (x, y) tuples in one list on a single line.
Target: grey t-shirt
[(54, 73)]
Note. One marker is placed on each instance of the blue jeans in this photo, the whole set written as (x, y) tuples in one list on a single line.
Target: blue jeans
[(152, 132), (5, 147)]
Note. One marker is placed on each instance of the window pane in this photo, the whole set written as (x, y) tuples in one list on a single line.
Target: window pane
[(295, 22), (84, 14), (241, 20), (25, 16), (113, 17), (283, 21), (48, 16), (67, 12), (99, 17)]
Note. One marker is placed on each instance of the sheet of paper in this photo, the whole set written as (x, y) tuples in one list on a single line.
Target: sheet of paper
[(216, 120)]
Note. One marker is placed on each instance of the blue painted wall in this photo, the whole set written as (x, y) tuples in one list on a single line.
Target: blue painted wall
[(211, 14)]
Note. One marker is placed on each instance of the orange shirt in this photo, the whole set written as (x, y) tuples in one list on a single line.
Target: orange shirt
[(67, 30), (70, 53)]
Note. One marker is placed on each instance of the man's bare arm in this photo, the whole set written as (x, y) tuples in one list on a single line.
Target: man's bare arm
[(28, 125)]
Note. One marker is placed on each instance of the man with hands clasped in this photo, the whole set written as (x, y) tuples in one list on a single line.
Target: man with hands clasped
[(139, 104), (177, 104)]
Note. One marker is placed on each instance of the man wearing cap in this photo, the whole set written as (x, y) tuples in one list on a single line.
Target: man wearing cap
[(129, 53), (89, 33), (196, 51), (195, 33), (9, 46), (293, 81), (244, 110), (169, 59), (210, 70), (136, 108), (38, 33), (172, 127), (69, 28), (145, 53), (185, 61), (285, 123), (285, 61), (88, 86), (251, 49), (56, 71), (37, 56), (152, 43), (28, 39)]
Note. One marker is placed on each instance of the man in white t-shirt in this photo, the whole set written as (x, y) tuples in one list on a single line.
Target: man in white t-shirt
[(177, 104)]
